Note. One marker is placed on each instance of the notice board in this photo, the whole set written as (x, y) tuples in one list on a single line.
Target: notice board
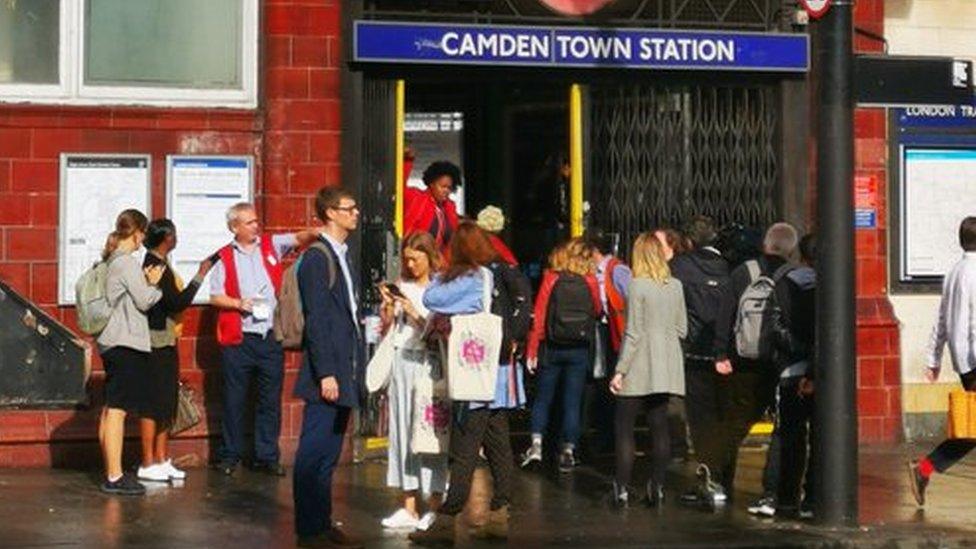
[(199, 191), (94, 189), (938, 192)]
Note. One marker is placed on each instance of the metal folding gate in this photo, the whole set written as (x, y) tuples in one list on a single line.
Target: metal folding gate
[(661, 155)]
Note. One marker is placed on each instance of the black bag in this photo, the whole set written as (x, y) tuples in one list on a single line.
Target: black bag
[(570, 318), (703, 294), (512, 301)]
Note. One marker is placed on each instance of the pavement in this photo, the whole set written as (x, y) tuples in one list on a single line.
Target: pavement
[(63, 508)]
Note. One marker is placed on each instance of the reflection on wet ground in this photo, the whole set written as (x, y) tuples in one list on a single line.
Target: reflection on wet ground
[(43, 508)]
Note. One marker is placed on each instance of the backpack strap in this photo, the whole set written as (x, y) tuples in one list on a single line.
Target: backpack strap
[(783, 270), (329, 262), (754, 270)]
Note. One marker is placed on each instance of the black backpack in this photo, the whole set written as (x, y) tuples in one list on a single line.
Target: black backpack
[(570, 318), (511, 300), (703, 294)]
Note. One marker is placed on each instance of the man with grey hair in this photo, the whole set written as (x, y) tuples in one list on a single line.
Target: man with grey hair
[(751, 379), (244, 286)]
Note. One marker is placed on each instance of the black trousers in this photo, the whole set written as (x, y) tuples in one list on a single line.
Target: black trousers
[(797, 435), (705, 404), (751, 390), (952, 450), (627, 410), (471, 430)]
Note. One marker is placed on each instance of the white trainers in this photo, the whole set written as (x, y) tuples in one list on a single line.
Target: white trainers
[(172, 471), (532, 455), (153, 473), (425, 521), (402, 519)]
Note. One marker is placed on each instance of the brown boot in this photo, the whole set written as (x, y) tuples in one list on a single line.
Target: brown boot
[(440, 533), (496, 527)]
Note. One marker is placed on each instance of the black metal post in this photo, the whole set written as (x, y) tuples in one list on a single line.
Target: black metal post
[(836, 400)]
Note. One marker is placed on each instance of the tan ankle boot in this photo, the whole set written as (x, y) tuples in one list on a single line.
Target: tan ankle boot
[(440, 533), (496, 527)]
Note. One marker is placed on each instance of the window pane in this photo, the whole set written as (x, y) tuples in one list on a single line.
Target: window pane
[(173, 43), (29, 37)]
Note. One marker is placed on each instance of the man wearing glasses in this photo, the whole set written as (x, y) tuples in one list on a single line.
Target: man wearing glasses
[(327, 381), (244, 286)]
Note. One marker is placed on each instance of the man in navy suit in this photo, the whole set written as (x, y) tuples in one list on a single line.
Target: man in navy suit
[(327, 381)]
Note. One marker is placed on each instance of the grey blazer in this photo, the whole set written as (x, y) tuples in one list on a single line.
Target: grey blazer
[(131, 297), (651, 359)]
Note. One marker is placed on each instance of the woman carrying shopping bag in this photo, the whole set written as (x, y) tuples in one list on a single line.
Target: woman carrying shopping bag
[(474, 283), (651, 365), (413, 377)]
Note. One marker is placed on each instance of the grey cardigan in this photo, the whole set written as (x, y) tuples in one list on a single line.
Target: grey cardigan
[(131, 296), (651, 359)]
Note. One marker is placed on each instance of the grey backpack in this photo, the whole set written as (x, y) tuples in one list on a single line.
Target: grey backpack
[(289, 320), (757, 305), (91, 299)]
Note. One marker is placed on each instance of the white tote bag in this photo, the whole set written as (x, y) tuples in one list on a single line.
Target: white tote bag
[(380, 366), (472, 351), (431, 423)]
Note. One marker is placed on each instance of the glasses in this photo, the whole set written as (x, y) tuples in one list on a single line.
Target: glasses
[(353, 208)]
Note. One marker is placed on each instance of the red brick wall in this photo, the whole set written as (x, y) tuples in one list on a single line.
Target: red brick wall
[(294, 137), (878, 364)]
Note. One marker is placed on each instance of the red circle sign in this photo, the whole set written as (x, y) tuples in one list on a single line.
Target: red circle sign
[(816, 8), (576, 7)]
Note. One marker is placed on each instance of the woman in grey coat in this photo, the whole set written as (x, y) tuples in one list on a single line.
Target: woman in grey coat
[(651, 364), (124, 344)]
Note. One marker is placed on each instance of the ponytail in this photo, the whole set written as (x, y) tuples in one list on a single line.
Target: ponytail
[(128, 223)]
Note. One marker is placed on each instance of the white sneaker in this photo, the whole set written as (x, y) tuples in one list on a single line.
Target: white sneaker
[(153, 473), (425, 521), (402, 519), (172, 471)]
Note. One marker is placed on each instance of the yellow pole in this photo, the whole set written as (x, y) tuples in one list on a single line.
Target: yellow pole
[(401, 93), (576, 160)]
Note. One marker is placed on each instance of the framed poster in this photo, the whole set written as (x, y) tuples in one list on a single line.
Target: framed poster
[(199, 190), (94, 188), (938, 192)]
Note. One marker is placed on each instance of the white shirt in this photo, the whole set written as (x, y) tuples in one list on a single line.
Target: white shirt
[(956, 325), (340, 249)]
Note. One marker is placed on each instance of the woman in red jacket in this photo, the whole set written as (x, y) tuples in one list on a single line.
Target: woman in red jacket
[(432, 211), (565, 315)]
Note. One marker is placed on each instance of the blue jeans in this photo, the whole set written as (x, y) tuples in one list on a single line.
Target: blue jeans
[(261, 358), (569, 365)]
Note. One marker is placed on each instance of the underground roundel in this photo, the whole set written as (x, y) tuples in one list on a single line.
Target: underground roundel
[(576, 7), (816, 8)]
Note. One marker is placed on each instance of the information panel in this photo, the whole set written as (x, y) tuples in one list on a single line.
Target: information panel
[(939, 190), (435, 136), (94, 189), (199, 190)]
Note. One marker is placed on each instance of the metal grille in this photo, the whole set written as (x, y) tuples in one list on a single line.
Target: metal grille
[(760, 15), (378, 183), (660, 156)]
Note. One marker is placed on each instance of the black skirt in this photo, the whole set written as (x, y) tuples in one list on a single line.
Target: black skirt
[(164, 373), (126, 380)]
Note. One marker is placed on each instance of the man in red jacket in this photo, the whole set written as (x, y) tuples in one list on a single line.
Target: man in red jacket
[(244, 286)]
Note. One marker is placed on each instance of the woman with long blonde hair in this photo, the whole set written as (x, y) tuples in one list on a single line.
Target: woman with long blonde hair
[(651, 365), (566, 311)]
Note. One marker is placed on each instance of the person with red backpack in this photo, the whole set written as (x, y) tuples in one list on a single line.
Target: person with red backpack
[(244, 287), (566, 311)]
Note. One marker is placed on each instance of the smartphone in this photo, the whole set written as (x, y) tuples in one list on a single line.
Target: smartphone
[(393, 289)]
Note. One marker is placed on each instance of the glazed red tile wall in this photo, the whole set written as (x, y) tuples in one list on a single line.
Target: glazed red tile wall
[(294, 137)]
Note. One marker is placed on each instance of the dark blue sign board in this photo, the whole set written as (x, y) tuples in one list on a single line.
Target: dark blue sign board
[(865, 218), (577, 47)]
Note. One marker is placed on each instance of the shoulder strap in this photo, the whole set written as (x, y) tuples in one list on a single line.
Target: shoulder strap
[(487, 277), (329, 262), (754, 270), (783, 270)]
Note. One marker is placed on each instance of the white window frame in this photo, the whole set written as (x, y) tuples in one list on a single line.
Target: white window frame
[(72, 90)]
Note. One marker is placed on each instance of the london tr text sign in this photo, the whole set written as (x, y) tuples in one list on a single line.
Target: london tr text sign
[(395, 42)]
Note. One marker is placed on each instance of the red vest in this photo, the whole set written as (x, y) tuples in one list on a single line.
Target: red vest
[(229, 325), (616, 306)]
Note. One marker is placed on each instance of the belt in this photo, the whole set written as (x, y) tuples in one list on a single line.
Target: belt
[(265, 335)]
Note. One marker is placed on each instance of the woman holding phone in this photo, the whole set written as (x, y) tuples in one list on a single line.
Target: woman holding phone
[(403, 312)]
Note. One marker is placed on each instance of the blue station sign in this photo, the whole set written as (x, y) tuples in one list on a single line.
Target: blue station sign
[(578, 47)]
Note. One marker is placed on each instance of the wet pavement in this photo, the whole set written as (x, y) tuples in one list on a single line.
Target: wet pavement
[(59, 508)]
